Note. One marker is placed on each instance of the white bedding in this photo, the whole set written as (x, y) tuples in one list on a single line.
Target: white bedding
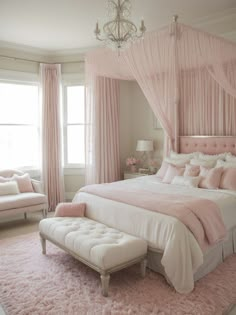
[(181, 253)]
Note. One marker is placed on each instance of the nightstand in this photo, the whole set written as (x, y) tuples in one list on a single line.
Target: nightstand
[(129, 175)]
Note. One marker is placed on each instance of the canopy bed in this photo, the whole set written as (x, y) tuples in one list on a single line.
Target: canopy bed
[(189, 79), (174, 250)]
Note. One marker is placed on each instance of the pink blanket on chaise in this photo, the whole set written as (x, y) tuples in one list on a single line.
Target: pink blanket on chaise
[(201, 216)]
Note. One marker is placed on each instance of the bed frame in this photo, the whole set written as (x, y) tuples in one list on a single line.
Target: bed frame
[(216, 254), (207, 144)]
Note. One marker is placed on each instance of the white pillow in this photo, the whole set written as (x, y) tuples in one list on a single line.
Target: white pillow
[(177, 162), (230, 158), (183, 156), (9, 188), (212, 157), (186, 181), (201, 162), (226, 164)]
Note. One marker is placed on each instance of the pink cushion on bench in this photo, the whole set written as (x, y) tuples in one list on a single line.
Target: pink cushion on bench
[(69, 209)]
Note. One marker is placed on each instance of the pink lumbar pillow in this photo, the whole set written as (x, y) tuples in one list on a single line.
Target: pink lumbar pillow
[(23, 182), (171, 172), (211, 177), (228, 179), (191, 170), (69, 209)]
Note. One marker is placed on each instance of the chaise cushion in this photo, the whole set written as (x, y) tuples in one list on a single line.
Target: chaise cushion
[(97, 243), (23, 182), (21, 200)]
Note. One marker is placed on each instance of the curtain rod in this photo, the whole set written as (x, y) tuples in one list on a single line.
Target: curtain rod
[(38, 61)]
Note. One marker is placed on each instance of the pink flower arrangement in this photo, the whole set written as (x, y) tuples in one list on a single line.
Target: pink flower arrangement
[(131, 161), (153, 163)]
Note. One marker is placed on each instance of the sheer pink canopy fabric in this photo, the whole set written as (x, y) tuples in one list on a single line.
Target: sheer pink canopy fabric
[(102, 133), (52, 173), (187, 76)]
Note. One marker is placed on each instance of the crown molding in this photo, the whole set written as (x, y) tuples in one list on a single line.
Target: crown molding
[(23, 48), (12, 50)]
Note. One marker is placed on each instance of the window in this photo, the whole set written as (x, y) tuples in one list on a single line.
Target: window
[(74, 126), (19, 125)]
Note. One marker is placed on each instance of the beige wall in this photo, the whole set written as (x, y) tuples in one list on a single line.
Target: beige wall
[(136, 118), (137, 122)]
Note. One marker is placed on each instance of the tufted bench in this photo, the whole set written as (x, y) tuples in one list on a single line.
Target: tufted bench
[(102, 248)]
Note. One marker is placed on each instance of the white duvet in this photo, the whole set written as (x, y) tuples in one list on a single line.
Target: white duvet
[(181, 253)]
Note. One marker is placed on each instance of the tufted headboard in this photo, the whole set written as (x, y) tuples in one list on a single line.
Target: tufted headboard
[(207, 144)]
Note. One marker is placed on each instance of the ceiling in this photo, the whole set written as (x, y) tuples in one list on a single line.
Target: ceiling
[(66, 25)]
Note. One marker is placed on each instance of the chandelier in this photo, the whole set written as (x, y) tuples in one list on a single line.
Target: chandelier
[(119, 30)]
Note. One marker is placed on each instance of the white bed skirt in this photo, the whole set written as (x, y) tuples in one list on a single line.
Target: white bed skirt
[(212, 258)]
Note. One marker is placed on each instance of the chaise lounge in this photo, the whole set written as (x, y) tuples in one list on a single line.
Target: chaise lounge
[(28, 197)]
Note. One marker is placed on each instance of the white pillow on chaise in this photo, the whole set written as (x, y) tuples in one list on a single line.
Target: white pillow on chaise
[(9, 188)]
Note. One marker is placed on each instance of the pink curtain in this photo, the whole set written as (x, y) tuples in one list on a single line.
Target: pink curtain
[(207, 109), (188, 77), (52, 173), (102, 132)]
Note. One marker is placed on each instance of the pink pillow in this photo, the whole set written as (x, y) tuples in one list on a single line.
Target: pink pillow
[(211, 177), (69, 209), (162, 171), (191, 170), (171, 172), (228, 179), (23, 182)]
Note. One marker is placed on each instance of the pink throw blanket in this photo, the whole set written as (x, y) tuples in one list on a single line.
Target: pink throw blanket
[(201, 216)]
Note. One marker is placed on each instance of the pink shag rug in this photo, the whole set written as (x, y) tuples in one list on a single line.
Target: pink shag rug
[(34, 284)]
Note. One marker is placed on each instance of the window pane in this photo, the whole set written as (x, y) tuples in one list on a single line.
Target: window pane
[(18, 103), (75, 104), (75, 145), (19, 146)]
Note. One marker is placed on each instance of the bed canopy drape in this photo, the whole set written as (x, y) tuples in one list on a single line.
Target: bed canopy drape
[(188, 77)]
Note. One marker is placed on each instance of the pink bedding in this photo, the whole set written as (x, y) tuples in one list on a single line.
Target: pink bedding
[(201, 216)]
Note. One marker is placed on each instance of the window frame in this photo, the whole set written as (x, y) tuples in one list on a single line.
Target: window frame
[(65, 85), (10, 77)]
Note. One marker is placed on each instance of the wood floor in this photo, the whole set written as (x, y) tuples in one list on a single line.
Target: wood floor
[(17, 225)]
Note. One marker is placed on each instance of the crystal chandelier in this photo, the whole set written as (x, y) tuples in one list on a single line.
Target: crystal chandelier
[(119, 30)]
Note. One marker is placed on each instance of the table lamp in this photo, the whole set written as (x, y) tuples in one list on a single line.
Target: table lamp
[(144, 146)]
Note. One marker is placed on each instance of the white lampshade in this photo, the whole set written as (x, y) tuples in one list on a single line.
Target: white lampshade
[(144, 145)]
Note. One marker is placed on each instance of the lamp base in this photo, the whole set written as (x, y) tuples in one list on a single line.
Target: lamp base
[(133, 169)]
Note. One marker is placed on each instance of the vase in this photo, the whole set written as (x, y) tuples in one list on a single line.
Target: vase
[(133, 168)]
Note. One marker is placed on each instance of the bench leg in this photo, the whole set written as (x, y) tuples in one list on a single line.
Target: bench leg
[(44, 212), (25, 215), (143, 267), (43, 243), (105, 284)]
